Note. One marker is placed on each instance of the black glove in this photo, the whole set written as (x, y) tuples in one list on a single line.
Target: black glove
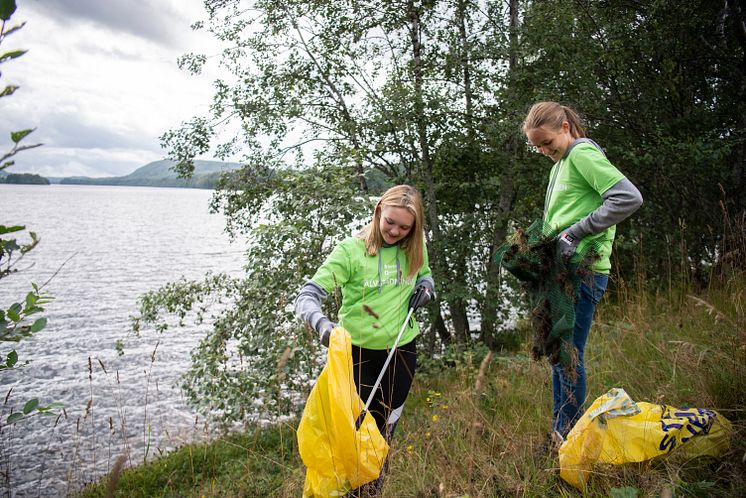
[(420, 297), (568, 242), (324, 327)]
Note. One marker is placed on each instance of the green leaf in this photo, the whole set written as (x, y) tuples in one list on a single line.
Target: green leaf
[(13, 418), (7, 7), (39, 324), (14, 312), (12, 55), (17, 136), (10, 245), (31, 300), (51, 406), (11, 359), (14, 29), (31, 311), (8, 229), (30, 406), (8, 90)]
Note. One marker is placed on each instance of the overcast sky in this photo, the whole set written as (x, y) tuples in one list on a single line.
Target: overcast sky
[(100, 82)]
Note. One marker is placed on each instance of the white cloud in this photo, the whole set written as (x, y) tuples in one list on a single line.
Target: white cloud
[(161, 21), (100, 82)]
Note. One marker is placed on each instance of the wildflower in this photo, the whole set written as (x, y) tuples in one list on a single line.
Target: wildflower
[(410, 449), (435, 418)]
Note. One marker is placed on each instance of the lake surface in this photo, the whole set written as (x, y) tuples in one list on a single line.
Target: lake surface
[(116, 243)]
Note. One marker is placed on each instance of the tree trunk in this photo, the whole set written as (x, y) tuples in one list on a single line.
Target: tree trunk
[(488, 327), (426, 163), (466, 68), (458, 306)]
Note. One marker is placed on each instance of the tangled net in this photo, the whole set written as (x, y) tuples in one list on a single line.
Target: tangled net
[(551, 284)]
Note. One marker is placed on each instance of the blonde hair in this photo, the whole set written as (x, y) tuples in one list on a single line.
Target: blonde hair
[(409, 198), (551, 115)]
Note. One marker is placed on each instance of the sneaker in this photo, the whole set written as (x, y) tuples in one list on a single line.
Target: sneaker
[(551, 445), (557, 440)]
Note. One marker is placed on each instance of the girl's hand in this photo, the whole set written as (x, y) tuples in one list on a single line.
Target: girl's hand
[(420, 297), (568, 242), (324, 327)]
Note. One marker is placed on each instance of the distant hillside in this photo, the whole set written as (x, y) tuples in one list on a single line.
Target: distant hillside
[(159, 174)]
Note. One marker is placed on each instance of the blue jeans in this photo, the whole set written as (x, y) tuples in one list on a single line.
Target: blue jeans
[(568, 395)]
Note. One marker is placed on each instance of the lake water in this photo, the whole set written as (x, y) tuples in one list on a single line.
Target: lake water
[(121, 242)]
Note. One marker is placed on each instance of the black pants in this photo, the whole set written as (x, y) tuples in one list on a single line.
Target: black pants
[(388, 401)]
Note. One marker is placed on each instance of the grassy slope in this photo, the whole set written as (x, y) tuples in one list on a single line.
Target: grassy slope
[(466, 434)]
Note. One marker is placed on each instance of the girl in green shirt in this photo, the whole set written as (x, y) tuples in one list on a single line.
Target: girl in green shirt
[(586, 197), (382, 273)]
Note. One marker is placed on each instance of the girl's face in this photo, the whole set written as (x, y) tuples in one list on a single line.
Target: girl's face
[(396, 223), (551, 143)]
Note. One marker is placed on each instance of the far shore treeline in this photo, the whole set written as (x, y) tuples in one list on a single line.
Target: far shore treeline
[(24, 179)]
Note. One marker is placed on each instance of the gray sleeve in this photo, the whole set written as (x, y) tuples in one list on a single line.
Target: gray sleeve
[(426, 281), (619, 202), (308, 304)]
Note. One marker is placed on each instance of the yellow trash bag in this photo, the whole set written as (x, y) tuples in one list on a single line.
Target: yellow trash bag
[(616, 430), (338, 457)]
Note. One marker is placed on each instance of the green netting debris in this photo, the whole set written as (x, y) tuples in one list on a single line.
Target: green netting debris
[(551, 285)]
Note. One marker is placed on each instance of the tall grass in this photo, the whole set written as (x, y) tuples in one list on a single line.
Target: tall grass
[(477, 429)]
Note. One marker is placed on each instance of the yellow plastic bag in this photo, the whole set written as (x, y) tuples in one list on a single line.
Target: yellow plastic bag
[(338, 457), (616, 430)]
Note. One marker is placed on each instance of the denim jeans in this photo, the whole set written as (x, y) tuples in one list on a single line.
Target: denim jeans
[(568, 396)]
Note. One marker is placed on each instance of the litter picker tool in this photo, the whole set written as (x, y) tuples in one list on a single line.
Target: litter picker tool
[(360, 417)]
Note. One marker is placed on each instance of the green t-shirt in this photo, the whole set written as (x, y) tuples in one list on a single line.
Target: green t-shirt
[(366, 294), (576, 184)]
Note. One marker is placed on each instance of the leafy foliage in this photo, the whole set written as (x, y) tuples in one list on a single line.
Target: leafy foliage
[(14, 320), (7, 8), (12, 327), (364, 95)]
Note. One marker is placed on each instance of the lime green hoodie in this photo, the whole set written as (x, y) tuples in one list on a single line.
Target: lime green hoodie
[(375, 291), (576, 185)]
